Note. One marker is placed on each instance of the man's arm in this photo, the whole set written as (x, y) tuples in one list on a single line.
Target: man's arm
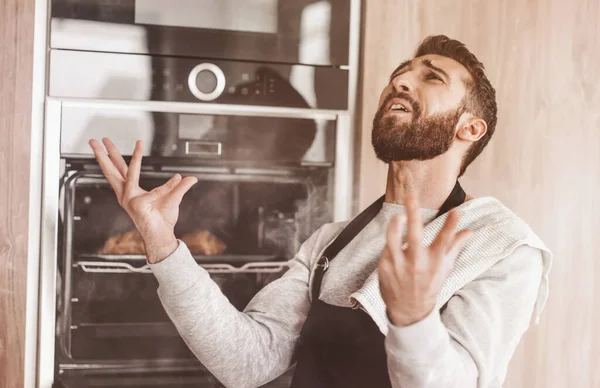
[(470, 344), (241, 349)]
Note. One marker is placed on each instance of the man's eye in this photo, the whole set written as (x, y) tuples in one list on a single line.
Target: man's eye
[(433, 76)]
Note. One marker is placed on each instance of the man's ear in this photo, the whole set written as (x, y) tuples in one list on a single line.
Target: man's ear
[(471, 128)]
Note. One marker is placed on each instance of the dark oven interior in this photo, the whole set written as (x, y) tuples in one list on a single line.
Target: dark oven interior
[(109, 315)]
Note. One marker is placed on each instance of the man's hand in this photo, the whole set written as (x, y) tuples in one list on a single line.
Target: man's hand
[(154, 212), (411, 279)]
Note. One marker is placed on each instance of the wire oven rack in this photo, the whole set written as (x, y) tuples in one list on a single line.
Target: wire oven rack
[(118, 264)]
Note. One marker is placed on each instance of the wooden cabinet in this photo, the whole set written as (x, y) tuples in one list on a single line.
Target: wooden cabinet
[(543, 161), (16, 67)]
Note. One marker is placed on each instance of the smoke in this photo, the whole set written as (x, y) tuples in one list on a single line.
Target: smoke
[(286, 232)]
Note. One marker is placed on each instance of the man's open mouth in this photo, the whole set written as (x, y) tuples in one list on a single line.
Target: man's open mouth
[(398, 105)]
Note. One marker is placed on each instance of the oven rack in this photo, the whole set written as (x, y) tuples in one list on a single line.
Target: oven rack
[(209, 259), (114, 264)]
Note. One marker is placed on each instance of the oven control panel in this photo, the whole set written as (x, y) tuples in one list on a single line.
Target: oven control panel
[(98, 75)]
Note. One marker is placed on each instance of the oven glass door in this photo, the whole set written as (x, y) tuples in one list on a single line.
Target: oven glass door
[(314, 32), (242, 228)]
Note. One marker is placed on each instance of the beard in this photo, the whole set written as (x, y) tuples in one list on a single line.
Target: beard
[(423, 138)]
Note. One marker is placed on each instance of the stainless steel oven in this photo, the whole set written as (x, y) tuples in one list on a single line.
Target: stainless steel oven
[(267, 180)]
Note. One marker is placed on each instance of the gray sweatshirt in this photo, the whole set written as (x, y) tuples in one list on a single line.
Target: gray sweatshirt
[(468, 344)]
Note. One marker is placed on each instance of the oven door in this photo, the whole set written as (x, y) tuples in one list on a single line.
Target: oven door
[(111, 327), (313, 32)]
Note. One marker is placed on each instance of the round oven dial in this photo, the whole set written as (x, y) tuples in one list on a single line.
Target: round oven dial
[(206, 81)]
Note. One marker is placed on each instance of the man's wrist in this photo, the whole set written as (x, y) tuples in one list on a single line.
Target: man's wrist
[(405, 318), (157, 252)]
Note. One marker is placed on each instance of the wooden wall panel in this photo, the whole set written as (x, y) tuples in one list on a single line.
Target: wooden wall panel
[(16, 64), (544, 160)]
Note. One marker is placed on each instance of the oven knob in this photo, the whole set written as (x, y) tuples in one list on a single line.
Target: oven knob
[(206, 81)]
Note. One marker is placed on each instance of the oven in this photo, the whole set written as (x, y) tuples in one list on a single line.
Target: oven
[(266, 182), (250, 52)]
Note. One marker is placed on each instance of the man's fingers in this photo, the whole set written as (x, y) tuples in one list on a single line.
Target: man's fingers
[(444, 239), (414, 225), (109, 170), (133, 172), (164, 189), (172, 183), (459, 242), (177, 193), (450, 256), (116, 157), (394, 235)]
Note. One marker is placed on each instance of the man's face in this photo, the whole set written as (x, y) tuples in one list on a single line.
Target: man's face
[(419, 109)]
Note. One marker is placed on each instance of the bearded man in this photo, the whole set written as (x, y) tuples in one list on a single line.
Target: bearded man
[(427, 287)]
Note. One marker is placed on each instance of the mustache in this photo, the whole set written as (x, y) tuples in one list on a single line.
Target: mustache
[(415, 106)]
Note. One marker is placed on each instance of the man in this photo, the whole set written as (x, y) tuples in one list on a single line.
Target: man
[(406, 295)]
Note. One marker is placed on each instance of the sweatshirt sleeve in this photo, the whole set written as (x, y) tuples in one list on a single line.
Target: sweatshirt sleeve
[(241, 349), (470, 343)]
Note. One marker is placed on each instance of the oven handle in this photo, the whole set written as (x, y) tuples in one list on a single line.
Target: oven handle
[(203, 148), (204, 108), (117, 267)]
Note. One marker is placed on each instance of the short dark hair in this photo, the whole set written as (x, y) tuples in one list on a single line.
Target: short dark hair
[(481, 97)]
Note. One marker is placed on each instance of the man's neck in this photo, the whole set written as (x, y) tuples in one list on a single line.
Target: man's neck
[(429, 181)]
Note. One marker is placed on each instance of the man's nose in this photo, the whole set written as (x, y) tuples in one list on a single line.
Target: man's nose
[(403, 83)]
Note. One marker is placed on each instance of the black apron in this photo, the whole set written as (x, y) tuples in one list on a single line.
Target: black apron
[(340, 346)]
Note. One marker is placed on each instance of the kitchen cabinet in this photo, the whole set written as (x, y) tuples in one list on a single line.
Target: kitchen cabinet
[(16, 67)]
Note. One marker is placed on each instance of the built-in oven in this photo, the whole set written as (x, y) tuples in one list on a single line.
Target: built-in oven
[(266, 181), (251, 52)]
